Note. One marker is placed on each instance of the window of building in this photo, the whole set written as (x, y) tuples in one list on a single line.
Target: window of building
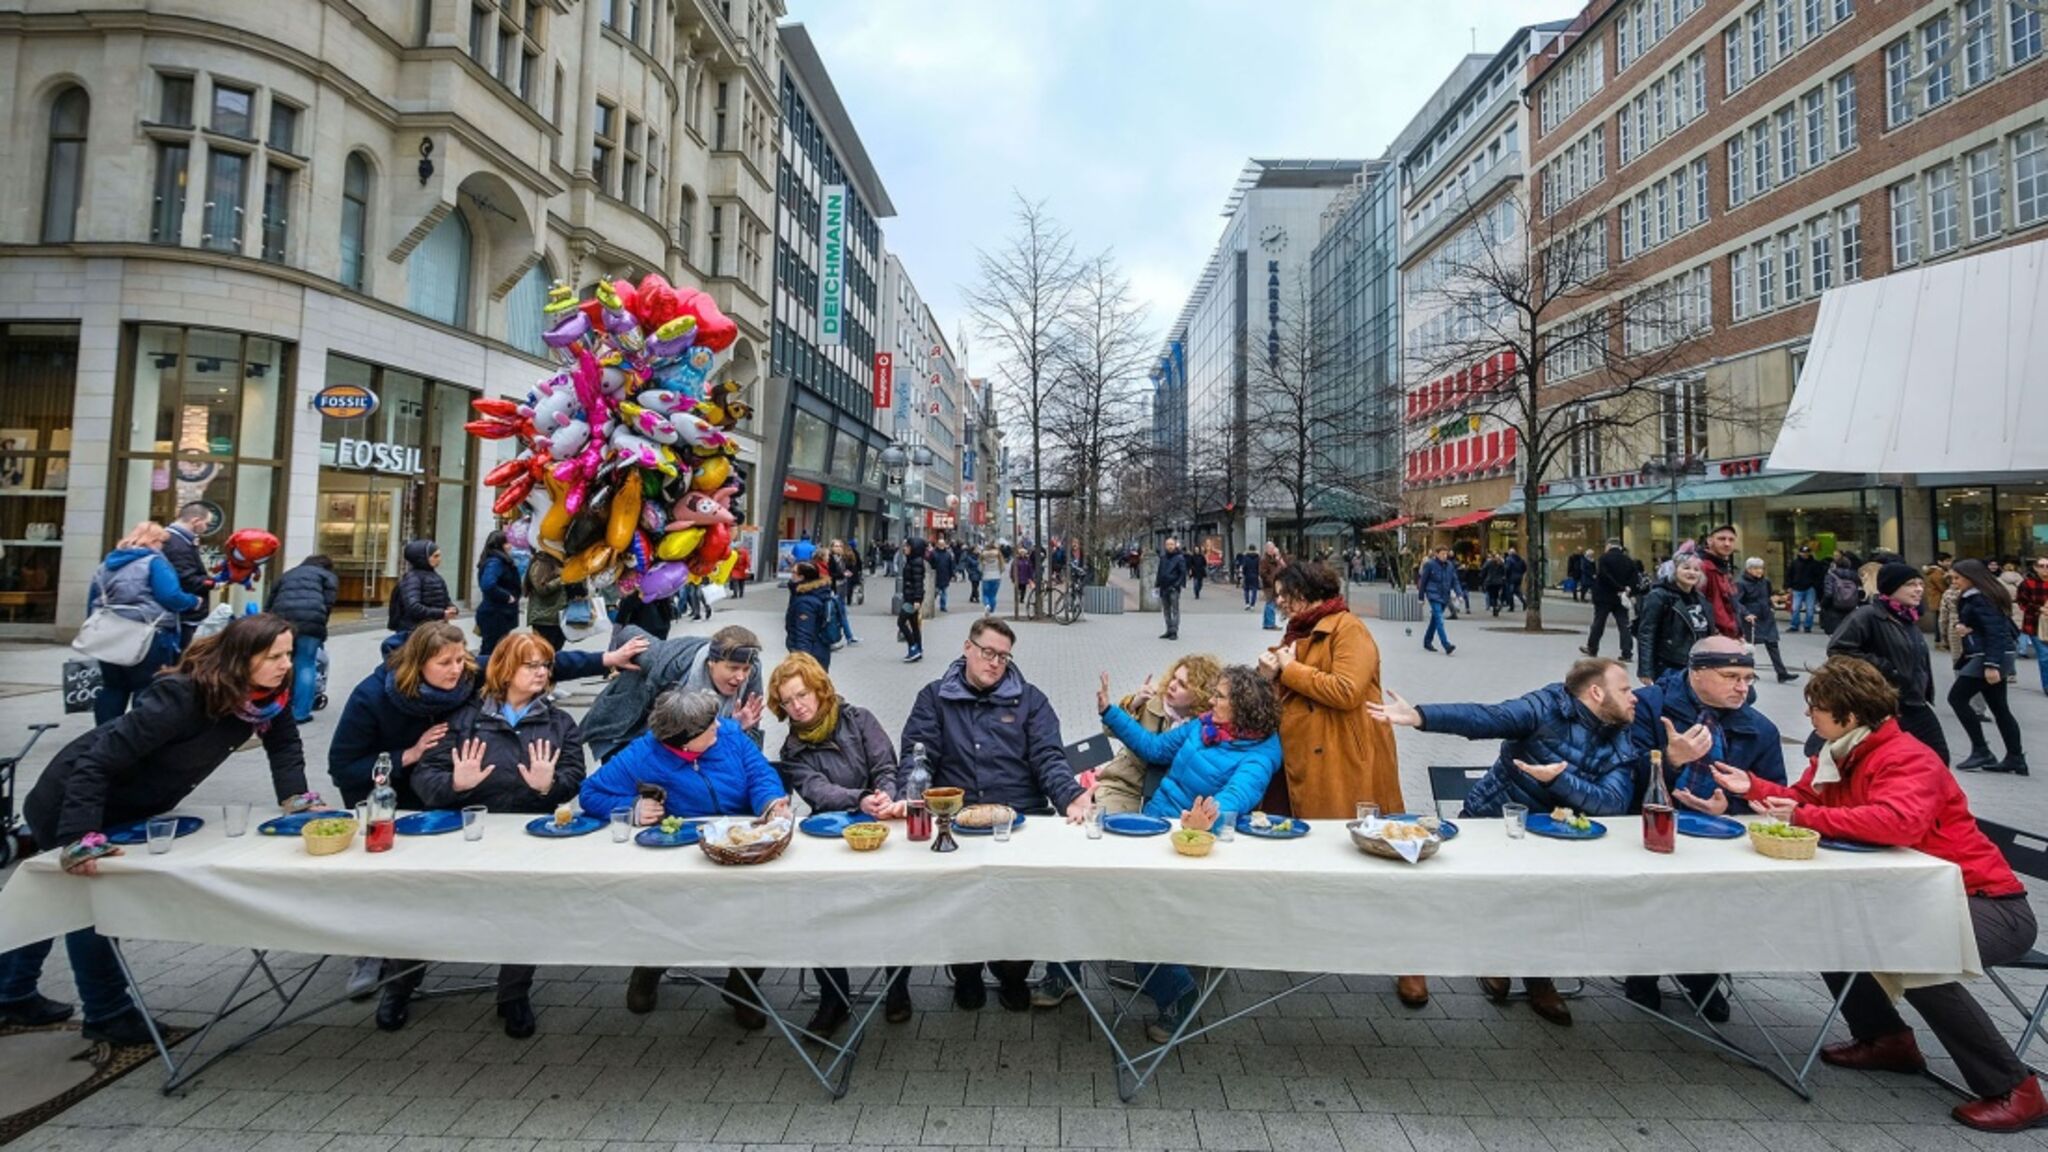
[(717, 240), (2023, 24), (1944, 212), (1844, 87), (523, 316), (284, 126), (718, 119), (555, 110), (1813, 111), (1739, 283), (1820, 252), (1738, 176), (633, 20), (686, 223), (1898, 74), (1791, 249), (226, 186), (1905, 197), (603, 142), (1765, 257), (1937, 53), (480, 20), (1759, 159), (64, 176), (629, 181), (234, 111), (1572, 83), (2030, 176), (1785, 122), (808, 442), (355, 219), (174, 101), (1980, 42), (167, 206), (437, 273), (1684, 419), (608, 13), (277, 202), (1849, 237), (1987, 195)]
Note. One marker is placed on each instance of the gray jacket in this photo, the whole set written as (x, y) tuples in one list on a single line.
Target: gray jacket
[(619, 714)]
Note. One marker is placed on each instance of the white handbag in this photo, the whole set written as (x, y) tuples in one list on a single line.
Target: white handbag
[(109, 636)]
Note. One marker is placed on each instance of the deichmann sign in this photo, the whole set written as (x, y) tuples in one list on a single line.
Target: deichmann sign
[(832, 275), (366, 456), (344, 401)]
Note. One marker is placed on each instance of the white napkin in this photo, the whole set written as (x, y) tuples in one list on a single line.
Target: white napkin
[(720, 831), (1409, 850)]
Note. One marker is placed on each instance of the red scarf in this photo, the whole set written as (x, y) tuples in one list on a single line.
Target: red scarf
[(1303, 622), (689, 757)]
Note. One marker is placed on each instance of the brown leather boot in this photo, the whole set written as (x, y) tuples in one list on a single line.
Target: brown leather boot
[(1898, 1052), (1495, 987), (641, 988), (1544, 999), (1413, 990), (744, 1014), (2016, 1111)]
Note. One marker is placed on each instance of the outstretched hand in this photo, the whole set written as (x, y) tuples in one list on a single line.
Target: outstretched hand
[(1395, 710)]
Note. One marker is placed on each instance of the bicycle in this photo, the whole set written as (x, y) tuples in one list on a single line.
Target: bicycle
[(10, 821), (1065, 599)]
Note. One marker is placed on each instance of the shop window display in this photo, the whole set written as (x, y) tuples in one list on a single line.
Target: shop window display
[(38, 367)]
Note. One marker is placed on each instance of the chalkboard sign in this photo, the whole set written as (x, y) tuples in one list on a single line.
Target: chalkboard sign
[(81, 684)]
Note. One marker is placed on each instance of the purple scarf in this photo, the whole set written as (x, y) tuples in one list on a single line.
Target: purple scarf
[(259, 711), (1906, 614)]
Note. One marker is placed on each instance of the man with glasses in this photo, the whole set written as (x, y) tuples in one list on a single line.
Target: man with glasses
[(728, 663), (989, 732)]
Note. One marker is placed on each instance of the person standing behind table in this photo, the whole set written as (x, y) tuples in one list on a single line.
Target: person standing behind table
[(181, 548), (1515, 570), (808, 620), (1437, 585), (137, 583), (1803, 578), (1125, 782), (1326, 670), (991, 577), (229, 686), (1564, 745), (2031, 601), (1674, 617), (910, 584), (991, 733), (726, 664), (546, 599), (1984, 667), (1247, 566), (1885, 633), (1871, 783), (497, 591), (1614, 576), (1270, 562), (420, 596), (1168, 580), (1759, 617), (305, 597), (508, 750), (838, 758), (941, 560)]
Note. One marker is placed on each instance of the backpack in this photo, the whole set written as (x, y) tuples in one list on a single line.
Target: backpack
[(1843, 592)]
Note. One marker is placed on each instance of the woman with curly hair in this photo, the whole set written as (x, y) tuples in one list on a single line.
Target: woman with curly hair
[(1126, 782)]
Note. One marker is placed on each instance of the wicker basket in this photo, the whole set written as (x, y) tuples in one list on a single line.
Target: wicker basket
[(1374, 846), (1189, 842), (760, 853), (317, 845), (864, 837), (1797, 847)]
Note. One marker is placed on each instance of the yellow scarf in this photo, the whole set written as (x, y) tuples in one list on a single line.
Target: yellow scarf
[(821, 727)]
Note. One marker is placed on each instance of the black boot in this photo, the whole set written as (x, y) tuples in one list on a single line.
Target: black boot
[(518, 1017), (1643, 990), (37, 1011), (2015, 763), (1980, 759), (394, 1006)]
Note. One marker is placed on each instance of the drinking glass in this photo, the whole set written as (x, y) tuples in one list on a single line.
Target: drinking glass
[(1092, 822), (1001, 830), (1517, 818), (234, 818), (161, 831), (363, 817), (1367, 811), (473, 822), (1226, 825), (622, 825)]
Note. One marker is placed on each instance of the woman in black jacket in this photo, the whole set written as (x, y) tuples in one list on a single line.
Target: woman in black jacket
[(229, 686), (305, 596), (807, 623), (420, 596), (497, 591), (839, 759), (1884, 632), (910, 585), (1674, 617), (1984, 667), (510, 750)]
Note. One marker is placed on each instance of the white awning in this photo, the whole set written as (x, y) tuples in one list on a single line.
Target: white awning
[(1940, 369)]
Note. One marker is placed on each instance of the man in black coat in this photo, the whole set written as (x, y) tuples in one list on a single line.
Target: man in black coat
[(305, 596), (1172, 574), (1614, 575), (1515, 569), (182, 550), (942, 570), (1804, 574)]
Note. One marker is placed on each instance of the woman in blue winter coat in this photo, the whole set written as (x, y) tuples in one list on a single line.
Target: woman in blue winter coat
[(690, 762), (808, 624), (136, 583), (497, 588), (1218, 762)]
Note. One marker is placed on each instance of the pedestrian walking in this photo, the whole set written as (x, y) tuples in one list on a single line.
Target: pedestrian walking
[(1803, 578), (991, 577), (940, 560), (807, 624), (1492, 580), (137, 586), (420, 596), (1759, 617), (1675, 615), (1270, 562), (497, 589), (910, 599), (1884, 632), (2031, 601), (1247, 564), (1173, 572), (1717, 565), (1614, 576), (1436, 585), (1984, 667), (1198, 571), (305, 597), (546, 598), (181, 548), (1023, 570), (1516, 570)]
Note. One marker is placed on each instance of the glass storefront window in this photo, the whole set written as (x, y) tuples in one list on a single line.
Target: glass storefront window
[(2023, 520), (38, 371), (1966, 527), (807, 443), (846, 457)]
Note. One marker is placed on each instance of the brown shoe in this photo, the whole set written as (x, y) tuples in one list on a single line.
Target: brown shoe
[(1544, 999), (744, 1014), (1898, 1052), (2016, 1111), (1495, 987), (1413, 990), (641, 988)]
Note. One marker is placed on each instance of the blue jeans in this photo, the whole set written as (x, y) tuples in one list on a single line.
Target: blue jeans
[(121, 683), (305, 676), (1167, 983), (989, 588), (942, 597), (93, 967), (1436, 627), (1251, 596), (1271, 612), (842, 621), (1803, 604), (2041, 658)]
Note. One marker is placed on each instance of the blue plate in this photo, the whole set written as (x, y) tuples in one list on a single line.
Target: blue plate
[(1710, 827), (432, 823), (138, 832), (1849, 845), (829, 825), (1542, 825), (1136, 824), (964, 830), (1446, 831), (290, 825), (580, 826), (655, 838), (1297, 831)]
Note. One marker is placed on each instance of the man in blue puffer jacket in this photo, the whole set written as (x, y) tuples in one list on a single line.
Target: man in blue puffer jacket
[(1437, 585), (1562, 746)]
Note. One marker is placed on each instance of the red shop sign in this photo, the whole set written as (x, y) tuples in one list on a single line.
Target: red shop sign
[(794, 489)]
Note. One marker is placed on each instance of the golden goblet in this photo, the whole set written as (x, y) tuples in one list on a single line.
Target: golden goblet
[(945, 803)]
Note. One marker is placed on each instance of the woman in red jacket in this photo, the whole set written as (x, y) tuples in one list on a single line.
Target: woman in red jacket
[(1873, 782)]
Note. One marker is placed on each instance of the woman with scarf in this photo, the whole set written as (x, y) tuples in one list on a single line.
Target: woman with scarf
[(228, 687), (1984, 667), (1126, 782), (839, 759), (1872, 783), (1674, 617), (1218, 763), (1326, 669), (1884, 632)]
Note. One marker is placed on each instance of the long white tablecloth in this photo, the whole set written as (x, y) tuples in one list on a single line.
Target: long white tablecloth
[(1484, 905)]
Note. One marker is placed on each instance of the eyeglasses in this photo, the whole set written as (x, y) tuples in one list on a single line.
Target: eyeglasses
[(536, 666), (1743, 678), (994, 655)]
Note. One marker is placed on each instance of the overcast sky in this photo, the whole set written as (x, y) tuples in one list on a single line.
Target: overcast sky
[(1129, 118)]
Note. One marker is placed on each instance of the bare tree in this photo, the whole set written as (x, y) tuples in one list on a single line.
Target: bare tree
[(1097, 413), (1578, 348)]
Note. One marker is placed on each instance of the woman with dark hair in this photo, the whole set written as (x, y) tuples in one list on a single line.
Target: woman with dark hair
[(497, 592), (1873, 782), (546, 599), (1984, 667), (230, 686), (807, 624), (420, 596), (910, 582)]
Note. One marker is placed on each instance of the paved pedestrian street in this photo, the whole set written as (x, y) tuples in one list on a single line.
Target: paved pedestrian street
[(1342, 1065)]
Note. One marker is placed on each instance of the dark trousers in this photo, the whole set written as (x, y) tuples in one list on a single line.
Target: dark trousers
[(910, 627), (835, 987), (2005, 930), (1920, 721), (552, 633), (515, 981), (1967, 688), (121, 683), (1169, 604), (1777, 661), (1619, 612), (1008, 973)]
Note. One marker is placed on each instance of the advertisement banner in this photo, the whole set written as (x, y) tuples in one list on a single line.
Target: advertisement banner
[(832, 266), (885, 379)]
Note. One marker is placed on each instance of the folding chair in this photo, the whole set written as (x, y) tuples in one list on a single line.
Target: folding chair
[(2027, 854), (1450, 784)]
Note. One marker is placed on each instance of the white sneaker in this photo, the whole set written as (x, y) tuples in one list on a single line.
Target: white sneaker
[(362, 979)]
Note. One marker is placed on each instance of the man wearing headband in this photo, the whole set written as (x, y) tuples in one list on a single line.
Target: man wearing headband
[(727, 663)]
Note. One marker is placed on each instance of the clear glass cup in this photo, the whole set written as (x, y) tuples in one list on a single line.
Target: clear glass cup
[(622, 825), (1226, 826), (363, 817), (1367, 811), (1516, 817), (473, 822), (234, 818), (1001, 830), (161, 830), (1092, 822)]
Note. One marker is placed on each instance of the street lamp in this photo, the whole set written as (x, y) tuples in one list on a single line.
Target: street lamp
[(895, 463), (1675, 470)]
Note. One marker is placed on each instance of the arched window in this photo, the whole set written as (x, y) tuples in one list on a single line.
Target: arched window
[(523, 318), (64, 180), (438, 271), (355, 219)]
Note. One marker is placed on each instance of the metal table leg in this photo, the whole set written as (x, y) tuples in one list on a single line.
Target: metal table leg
[(1708, 1032), (835, 1072)]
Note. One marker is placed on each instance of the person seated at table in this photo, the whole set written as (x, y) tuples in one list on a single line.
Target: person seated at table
[(1565, 745), (226, 688), (1875, 783), (509, 750), (727, 664), (1700, 717), (1126, 782), (993, 734), (1219, 762), (839, 759), (692, 761)]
